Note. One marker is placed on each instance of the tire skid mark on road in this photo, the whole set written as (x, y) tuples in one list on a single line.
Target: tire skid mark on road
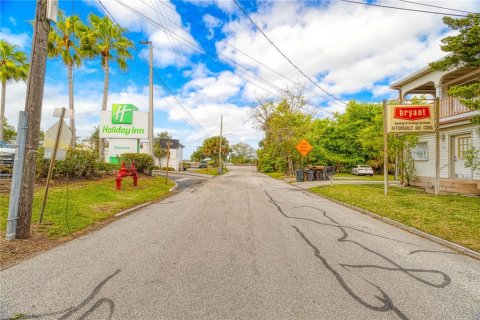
[(69, 312), (385, 299), (388, 303)]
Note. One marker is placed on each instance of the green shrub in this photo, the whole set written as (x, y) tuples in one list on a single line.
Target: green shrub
[(143, 162), (41, 168), (168, 169), (105, 166), (77, 164)]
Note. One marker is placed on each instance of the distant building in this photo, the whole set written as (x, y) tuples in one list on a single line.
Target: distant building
[(457, 133), (176, 154)]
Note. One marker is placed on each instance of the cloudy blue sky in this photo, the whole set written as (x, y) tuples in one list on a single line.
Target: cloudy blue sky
[(210, 60)]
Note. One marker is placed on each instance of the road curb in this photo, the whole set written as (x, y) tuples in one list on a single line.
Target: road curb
[(446, 243)]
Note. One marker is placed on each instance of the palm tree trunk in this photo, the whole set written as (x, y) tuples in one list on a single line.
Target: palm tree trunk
[(104, 104), (2, 108), (70, 105)]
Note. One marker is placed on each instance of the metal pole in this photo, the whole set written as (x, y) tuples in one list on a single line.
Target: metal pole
[(437, 146), (150, 105), (385, 148), (52, 162), (150, 100), (17, 175), (220, 166)]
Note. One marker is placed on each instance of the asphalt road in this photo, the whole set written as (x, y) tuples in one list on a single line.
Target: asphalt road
[(186, 179), (245, 246)]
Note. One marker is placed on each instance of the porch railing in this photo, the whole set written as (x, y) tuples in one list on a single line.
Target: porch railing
[(450, 106)]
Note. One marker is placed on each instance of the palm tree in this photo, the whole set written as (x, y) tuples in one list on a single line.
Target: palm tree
[(107, 40), (13, 67), (63, 42)]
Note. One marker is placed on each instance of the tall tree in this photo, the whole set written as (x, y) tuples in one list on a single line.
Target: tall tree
[(242, 153), (158, 151), (464, 51), (107, 40), (63, 42), (211, 147), (13, 67)]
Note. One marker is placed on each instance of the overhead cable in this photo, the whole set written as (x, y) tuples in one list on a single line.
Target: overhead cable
[(433, 6), (400, 8), (290, 61), (159, 78), (247, 55)]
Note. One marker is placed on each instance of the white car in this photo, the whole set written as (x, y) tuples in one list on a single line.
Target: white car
[(362, 170), (7, 154)]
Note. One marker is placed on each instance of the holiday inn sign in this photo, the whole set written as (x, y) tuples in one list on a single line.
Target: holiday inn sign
[(124, 121)]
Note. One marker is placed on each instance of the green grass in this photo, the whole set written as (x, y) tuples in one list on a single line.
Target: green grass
[(348, 176), (451, 217), (89, 202), (276, 175), (211, 171)]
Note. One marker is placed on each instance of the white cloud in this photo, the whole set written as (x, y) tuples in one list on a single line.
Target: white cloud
[(211, 23), (161, 24), (22, 40), (13, 20), (346, 48)]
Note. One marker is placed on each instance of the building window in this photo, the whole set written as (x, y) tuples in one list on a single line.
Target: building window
[(420, 152), (464, 144)]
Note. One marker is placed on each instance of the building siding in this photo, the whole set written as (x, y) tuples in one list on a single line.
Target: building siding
[(426, 168)]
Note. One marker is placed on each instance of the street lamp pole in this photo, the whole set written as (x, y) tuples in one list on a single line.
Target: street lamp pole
[(150, 101)]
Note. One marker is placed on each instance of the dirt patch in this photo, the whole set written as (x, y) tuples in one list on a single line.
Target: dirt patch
[(5, 186)]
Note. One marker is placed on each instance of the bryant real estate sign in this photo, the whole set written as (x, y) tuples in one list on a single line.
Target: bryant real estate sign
[(124, 122), (411, 118)]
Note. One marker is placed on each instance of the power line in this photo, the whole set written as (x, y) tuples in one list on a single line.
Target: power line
[(295, 66), (433, 6), (247, 73), (246, 54), (225, 59), (159, 78), (405, 9)]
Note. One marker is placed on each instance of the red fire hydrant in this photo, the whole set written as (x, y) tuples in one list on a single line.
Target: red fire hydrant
[(126, 173)]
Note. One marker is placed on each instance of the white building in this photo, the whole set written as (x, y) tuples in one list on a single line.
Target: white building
[(457, 133), (176, 154)]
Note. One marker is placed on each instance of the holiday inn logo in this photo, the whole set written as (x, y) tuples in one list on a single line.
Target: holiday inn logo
[(124, 121), (123, 113)]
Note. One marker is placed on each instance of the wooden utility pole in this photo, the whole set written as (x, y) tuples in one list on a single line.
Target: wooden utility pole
[(33, 105), (437, 146), (385, 149)]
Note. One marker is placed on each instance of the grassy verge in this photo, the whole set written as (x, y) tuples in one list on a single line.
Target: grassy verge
[(348, 176), (451, 217), (211, 171), (77, 205), (276, 175)]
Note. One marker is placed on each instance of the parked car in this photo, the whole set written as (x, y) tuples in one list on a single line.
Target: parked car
[(362, 170), (7, 154), (203, 164)]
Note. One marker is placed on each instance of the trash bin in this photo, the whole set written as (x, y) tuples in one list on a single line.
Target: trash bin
[(299, 175), (310, 175)]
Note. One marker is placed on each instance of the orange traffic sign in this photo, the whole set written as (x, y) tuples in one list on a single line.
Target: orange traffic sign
[(304, 147)]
